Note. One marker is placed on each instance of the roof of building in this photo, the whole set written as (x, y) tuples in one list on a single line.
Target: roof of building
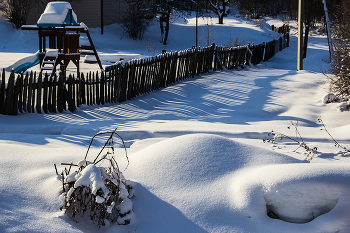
[(57, 14)]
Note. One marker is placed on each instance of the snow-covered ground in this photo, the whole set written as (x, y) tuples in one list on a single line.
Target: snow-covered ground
[(196, 152)]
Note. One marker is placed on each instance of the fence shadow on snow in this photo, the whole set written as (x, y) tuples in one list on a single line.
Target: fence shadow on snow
[(43, 93)]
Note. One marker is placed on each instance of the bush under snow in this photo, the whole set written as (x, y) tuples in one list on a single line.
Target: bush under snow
[(97, 194)]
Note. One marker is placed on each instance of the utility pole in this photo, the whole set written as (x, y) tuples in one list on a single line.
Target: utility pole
[(197, 27), (101, 16), (300, 34)]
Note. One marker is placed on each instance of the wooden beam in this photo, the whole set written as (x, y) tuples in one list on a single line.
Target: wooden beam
[(93, 48)]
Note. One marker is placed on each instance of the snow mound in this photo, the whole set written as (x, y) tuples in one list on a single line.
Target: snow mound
[(300, 201), (329, 98), (196, 158), (315, 194)]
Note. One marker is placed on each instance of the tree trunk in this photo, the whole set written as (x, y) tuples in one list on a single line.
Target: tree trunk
[(161, 21), (307, 27), (221, 19), (167, 19), (222, 13)]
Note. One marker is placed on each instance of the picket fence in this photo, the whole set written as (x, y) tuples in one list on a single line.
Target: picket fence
[(41, 93)]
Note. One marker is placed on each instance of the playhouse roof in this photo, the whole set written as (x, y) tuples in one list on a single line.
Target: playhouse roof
[(57, 14)]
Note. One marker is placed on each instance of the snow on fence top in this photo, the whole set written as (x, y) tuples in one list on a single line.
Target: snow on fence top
[(57, 14)]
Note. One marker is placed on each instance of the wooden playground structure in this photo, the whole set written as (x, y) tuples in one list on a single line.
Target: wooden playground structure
[(59, 44)]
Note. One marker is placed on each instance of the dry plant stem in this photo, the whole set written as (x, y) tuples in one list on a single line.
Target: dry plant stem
[(68, 164), (126, 153), (298, 139), (335, 142), (56, 169), (110, 138), (100, 133)]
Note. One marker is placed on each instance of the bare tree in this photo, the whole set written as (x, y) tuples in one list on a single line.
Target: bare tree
[(165, 8), (137, 18), (16, 11), (219, 10)]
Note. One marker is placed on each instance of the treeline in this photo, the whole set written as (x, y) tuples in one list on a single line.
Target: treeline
[(288, 8), (340, 66)]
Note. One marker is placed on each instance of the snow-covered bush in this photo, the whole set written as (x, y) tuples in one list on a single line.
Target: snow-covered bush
[(329, 98), (97, 195)]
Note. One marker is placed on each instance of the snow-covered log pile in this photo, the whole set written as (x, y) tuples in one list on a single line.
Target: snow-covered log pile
[(97, 195)]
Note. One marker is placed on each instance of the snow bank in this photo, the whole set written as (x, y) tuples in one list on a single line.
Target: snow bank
[(242, 184), (314, 194)]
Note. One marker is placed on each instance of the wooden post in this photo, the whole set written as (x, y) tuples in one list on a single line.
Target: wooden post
[(300, 34), (54, 85), (46, 79), (20, 93), (60, 93), (38, 99), (2, 93), (10, 94), (101, 16)]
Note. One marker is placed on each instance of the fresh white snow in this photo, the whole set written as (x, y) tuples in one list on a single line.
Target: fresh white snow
[(56, 13), (197, 159)]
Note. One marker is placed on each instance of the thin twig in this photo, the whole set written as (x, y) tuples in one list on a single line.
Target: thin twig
[(126, 153), (93, 139), (110, 137), (335, 142), (56, 169), (68, 164)]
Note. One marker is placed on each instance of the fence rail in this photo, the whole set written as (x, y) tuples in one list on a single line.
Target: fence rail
[(41, 93)]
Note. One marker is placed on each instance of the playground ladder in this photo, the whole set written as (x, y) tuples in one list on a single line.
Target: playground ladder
[(50, 60)]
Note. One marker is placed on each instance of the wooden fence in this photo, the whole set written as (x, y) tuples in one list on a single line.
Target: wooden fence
[(45, 94), (41, 93), (234, 57)]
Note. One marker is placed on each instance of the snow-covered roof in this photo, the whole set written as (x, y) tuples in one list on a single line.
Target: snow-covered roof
[(56, 14)]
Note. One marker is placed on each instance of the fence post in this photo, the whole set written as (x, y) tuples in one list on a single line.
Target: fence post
[(68, 95), (10, 95), (45, 93), (215, 58), (102, 88), (38, 99), (97, 86), (60, 93), (54, 88), (20, 92), (2, 93), (16, 101)]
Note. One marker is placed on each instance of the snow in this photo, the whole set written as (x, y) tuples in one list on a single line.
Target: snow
[(91, 177), (197, 160), (56, 14)]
